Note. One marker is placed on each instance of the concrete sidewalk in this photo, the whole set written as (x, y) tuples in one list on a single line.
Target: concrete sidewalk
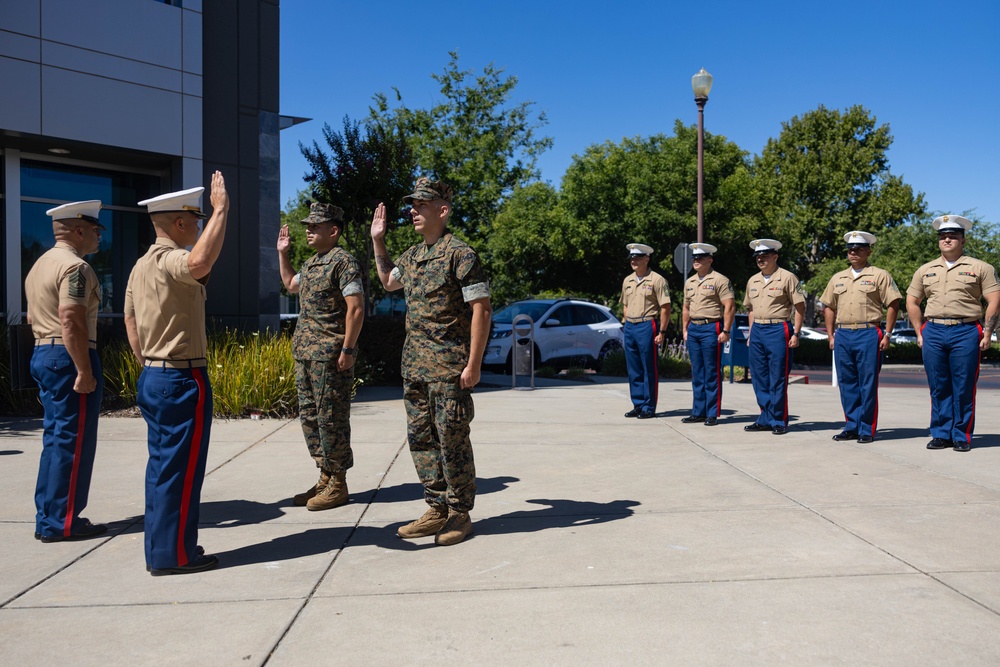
[(599, 540)]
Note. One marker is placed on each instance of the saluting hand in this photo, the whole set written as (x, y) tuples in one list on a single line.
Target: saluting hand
[(219, 197), (284, 239), (379, 223)]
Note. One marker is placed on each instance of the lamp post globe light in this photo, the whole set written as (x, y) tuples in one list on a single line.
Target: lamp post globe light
[(701, 84)]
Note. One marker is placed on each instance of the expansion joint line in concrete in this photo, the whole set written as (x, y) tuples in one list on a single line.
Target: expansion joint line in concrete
[(308, 598), (834, 523)]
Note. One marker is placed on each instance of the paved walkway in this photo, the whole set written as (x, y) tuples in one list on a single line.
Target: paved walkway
[(599, 540)]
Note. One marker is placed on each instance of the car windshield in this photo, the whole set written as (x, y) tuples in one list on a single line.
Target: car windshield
[(533, 309)]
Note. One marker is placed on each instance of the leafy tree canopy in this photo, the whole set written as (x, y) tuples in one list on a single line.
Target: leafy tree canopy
[(477, 139), (826, 174)]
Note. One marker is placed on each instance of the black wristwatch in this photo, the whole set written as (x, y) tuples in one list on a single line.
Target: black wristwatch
[(725, 331), (349, 350)]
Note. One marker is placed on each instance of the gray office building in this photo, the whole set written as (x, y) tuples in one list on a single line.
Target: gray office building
[(121, 100)]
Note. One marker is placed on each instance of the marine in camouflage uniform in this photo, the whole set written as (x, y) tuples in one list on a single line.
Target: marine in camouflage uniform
[(447, 322), (331, 301)]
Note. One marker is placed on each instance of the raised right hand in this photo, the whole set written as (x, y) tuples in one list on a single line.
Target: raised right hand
[(284, 239), (379, 225)]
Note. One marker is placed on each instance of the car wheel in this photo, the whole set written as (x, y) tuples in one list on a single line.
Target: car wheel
[(609, 347)]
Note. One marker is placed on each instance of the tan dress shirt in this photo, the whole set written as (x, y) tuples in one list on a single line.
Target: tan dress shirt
[(956, 292), (704, 297), (60, 277), (168, 304), (773, 299), (643, 299), (860, 299)]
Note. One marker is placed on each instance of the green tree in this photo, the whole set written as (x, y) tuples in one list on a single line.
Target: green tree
[(529, 245), (360, 166), (477, 139), (645, 190), (826, 174)]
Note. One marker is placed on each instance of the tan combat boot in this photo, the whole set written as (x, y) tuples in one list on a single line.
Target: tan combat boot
[(332, 495), (429, 524), (301, 499), (456, 528)]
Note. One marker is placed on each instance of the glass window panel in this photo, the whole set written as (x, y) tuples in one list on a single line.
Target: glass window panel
[(129, 233)]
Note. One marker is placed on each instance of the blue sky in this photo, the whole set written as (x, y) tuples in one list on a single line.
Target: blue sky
[(603, 71)]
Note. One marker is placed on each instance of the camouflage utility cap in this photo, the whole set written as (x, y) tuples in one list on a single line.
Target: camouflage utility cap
[(427, 190), (320, 213)]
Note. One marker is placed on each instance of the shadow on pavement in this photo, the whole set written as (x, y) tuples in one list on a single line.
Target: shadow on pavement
[(240, 512), (558, 514), (17, 428), (415, 491)]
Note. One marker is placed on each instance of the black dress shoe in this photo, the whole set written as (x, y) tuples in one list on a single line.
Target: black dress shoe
[(779, 430), (940, 443), (691, 419), (632, 413), (865, 439), (962, 446), (845, 435), (711, 421), (82, 530), (199, 564), (198, 552), (645, 415), (756, 427)]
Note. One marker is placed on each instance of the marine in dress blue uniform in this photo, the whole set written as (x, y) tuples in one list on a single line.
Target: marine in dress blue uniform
[(707, 321), (63, 299), (165, 320), (646, 305), (773, 298), (854, 301), (949, 331)]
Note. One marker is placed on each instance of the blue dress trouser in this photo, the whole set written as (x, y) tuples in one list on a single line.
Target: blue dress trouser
[(641, 362), (770, 361), (859, 362), (69, 439), (705, 352), (177, 407), (951, 361)]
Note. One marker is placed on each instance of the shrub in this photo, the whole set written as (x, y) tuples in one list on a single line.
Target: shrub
[(252, 372), (813, 353), (903, 353), (673, 363)]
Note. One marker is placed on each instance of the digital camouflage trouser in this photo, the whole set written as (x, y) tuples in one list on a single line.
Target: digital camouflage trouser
[(438, 415), (325, 412)]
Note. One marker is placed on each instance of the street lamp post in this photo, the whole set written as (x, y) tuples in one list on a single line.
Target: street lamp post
[(701, 83)]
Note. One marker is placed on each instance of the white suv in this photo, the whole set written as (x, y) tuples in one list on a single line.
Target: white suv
[(567, 331)]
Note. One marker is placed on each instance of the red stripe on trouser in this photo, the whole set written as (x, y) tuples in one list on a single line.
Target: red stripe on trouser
[(195, 449), (718, 370), (656, 365), (81, 426), (878, 368), (788, 355), (975, 384)]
